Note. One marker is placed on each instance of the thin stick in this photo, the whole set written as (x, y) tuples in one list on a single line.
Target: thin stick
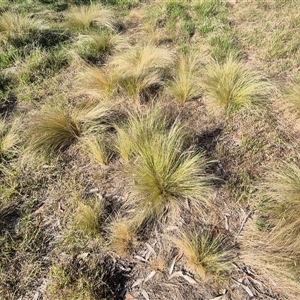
[(243, 224)]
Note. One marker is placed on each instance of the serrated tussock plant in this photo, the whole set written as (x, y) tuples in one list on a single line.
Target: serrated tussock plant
[(87, 216), (123, 236), (282, 187), (140, 128), (14, 25), (85, 17), (96, 46), (185, 84), (164, 175), (231, 86), (9, 136), (141, 68), (292, 96), (207, 254), (96, 145), (56, 127), (97, 82)]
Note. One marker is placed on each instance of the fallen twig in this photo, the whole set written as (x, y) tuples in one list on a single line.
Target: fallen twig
[(243, 224)]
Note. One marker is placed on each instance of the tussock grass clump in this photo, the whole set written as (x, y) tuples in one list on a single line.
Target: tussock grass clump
[(283, 189), (97, 147), (52, 130), (15, 25), (9, 137), (292, 96), (164, 174), (231, 86), (87, 217), (185, 85), (56, 127), (276, 247), (277, 265), (95, 46), (96, 82), (83, 18), (206, 254), (140, 129), (123, 237), (142, 68)]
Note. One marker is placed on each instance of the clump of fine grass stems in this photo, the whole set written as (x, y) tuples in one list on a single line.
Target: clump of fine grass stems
[(9, 137), (164, 172), (123, 235), (231, 86), (88, 215), (95, 47), (86, 17), (15, 25), (97, 146), (97, 82), (185, 84), (206, 254), (276, 244), (141, 69), (283, 189), (56, 127)]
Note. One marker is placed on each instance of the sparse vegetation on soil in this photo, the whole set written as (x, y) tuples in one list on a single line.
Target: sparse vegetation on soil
[(149, 149)]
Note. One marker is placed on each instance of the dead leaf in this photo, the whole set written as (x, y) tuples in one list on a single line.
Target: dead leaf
[(150, 248), (150, 276), (36, 296), (138, 282), (145, 294), (176, 274), (217, 298), (140, 258), (189, 279), (83, 255), (172, 266)]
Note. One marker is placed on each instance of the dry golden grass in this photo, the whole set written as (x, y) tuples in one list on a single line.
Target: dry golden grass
[(123, 237), (139, 129), (56, 126), (283, 189), (82, 18), (231, 86), (185, 84), (87, 217), (96, 82), (9, 136), (142, 68), (165, 175), (206, 254), (14, 24), (274, 265), (292, 96), (51, 131), (97, 148), (95, 46)]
